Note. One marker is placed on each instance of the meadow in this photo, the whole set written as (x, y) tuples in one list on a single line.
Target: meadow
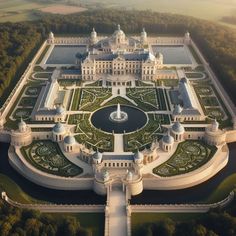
[(25, 10), (20, 10)]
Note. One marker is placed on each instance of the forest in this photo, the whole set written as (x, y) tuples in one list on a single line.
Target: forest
[(212, 224), (229, 19), (18, 222), (19, 43)]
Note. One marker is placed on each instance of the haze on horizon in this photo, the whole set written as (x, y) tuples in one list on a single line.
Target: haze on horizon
[(206, 9)]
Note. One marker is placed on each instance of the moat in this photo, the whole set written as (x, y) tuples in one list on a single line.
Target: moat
[(198, 193)]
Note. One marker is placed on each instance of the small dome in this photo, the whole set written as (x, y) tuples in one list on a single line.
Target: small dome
[(139, 155), (60, 110), (59, 128), (98, 155), (178, 109), (168, 139), (70, 140), (177, 127), (119, 32)]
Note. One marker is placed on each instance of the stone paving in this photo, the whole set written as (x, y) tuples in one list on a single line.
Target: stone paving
[(117, 216)]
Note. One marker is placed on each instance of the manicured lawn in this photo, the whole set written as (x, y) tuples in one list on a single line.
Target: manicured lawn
[(140, 83), (215, 113), (91, 99), (47, 156), (210, 101), (43, 75), (204, 90), (193, 75), (120, 100), (23, 113), (144, 137), (167, 82), (223, 190), (161, 99), (195, 55), (95, 84), (146, 98), (76, 100), (90, 136), (32, 91), (14, 191), (43, 54), (28, 102), (189, 156)]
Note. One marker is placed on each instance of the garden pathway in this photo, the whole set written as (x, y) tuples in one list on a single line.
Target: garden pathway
[(118, 143), (117, 212)]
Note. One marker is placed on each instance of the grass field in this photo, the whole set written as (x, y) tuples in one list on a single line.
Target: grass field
[(62, 9), (14, 191), (20, 10), (23, 10)]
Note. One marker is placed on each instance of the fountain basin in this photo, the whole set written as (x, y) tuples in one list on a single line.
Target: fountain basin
[(101, 120)]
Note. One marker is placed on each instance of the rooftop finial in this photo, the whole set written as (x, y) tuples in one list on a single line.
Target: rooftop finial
[(118, 27)]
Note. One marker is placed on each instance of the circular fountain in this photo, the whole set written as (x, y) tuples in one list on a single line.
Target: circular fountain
[(118, 115), (119, 119)]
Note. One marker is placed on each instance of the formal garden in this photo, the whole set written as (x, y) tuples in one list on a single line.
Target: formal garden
[(148, 99), (212, 104), (89, 135), (144, 137), (91, 98), (47, 157), (189, 156), (23, 113)]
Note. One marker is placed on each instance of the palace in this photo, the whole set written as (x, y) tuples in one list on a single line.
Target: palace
[(178, 140), (119, 55)]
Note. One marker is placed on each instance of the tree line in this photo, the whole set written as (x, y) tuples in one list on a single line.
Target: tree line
[(19, 43), (229, 19), (23, 222), (211, 224)]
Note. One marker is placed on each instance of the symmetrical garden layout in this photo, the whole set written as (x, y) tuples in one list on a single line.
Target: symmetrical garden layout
[(134, 112)]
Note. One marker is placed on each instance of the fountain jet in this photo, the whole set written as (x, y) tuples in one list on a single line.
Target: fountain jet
[(118, 115)]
